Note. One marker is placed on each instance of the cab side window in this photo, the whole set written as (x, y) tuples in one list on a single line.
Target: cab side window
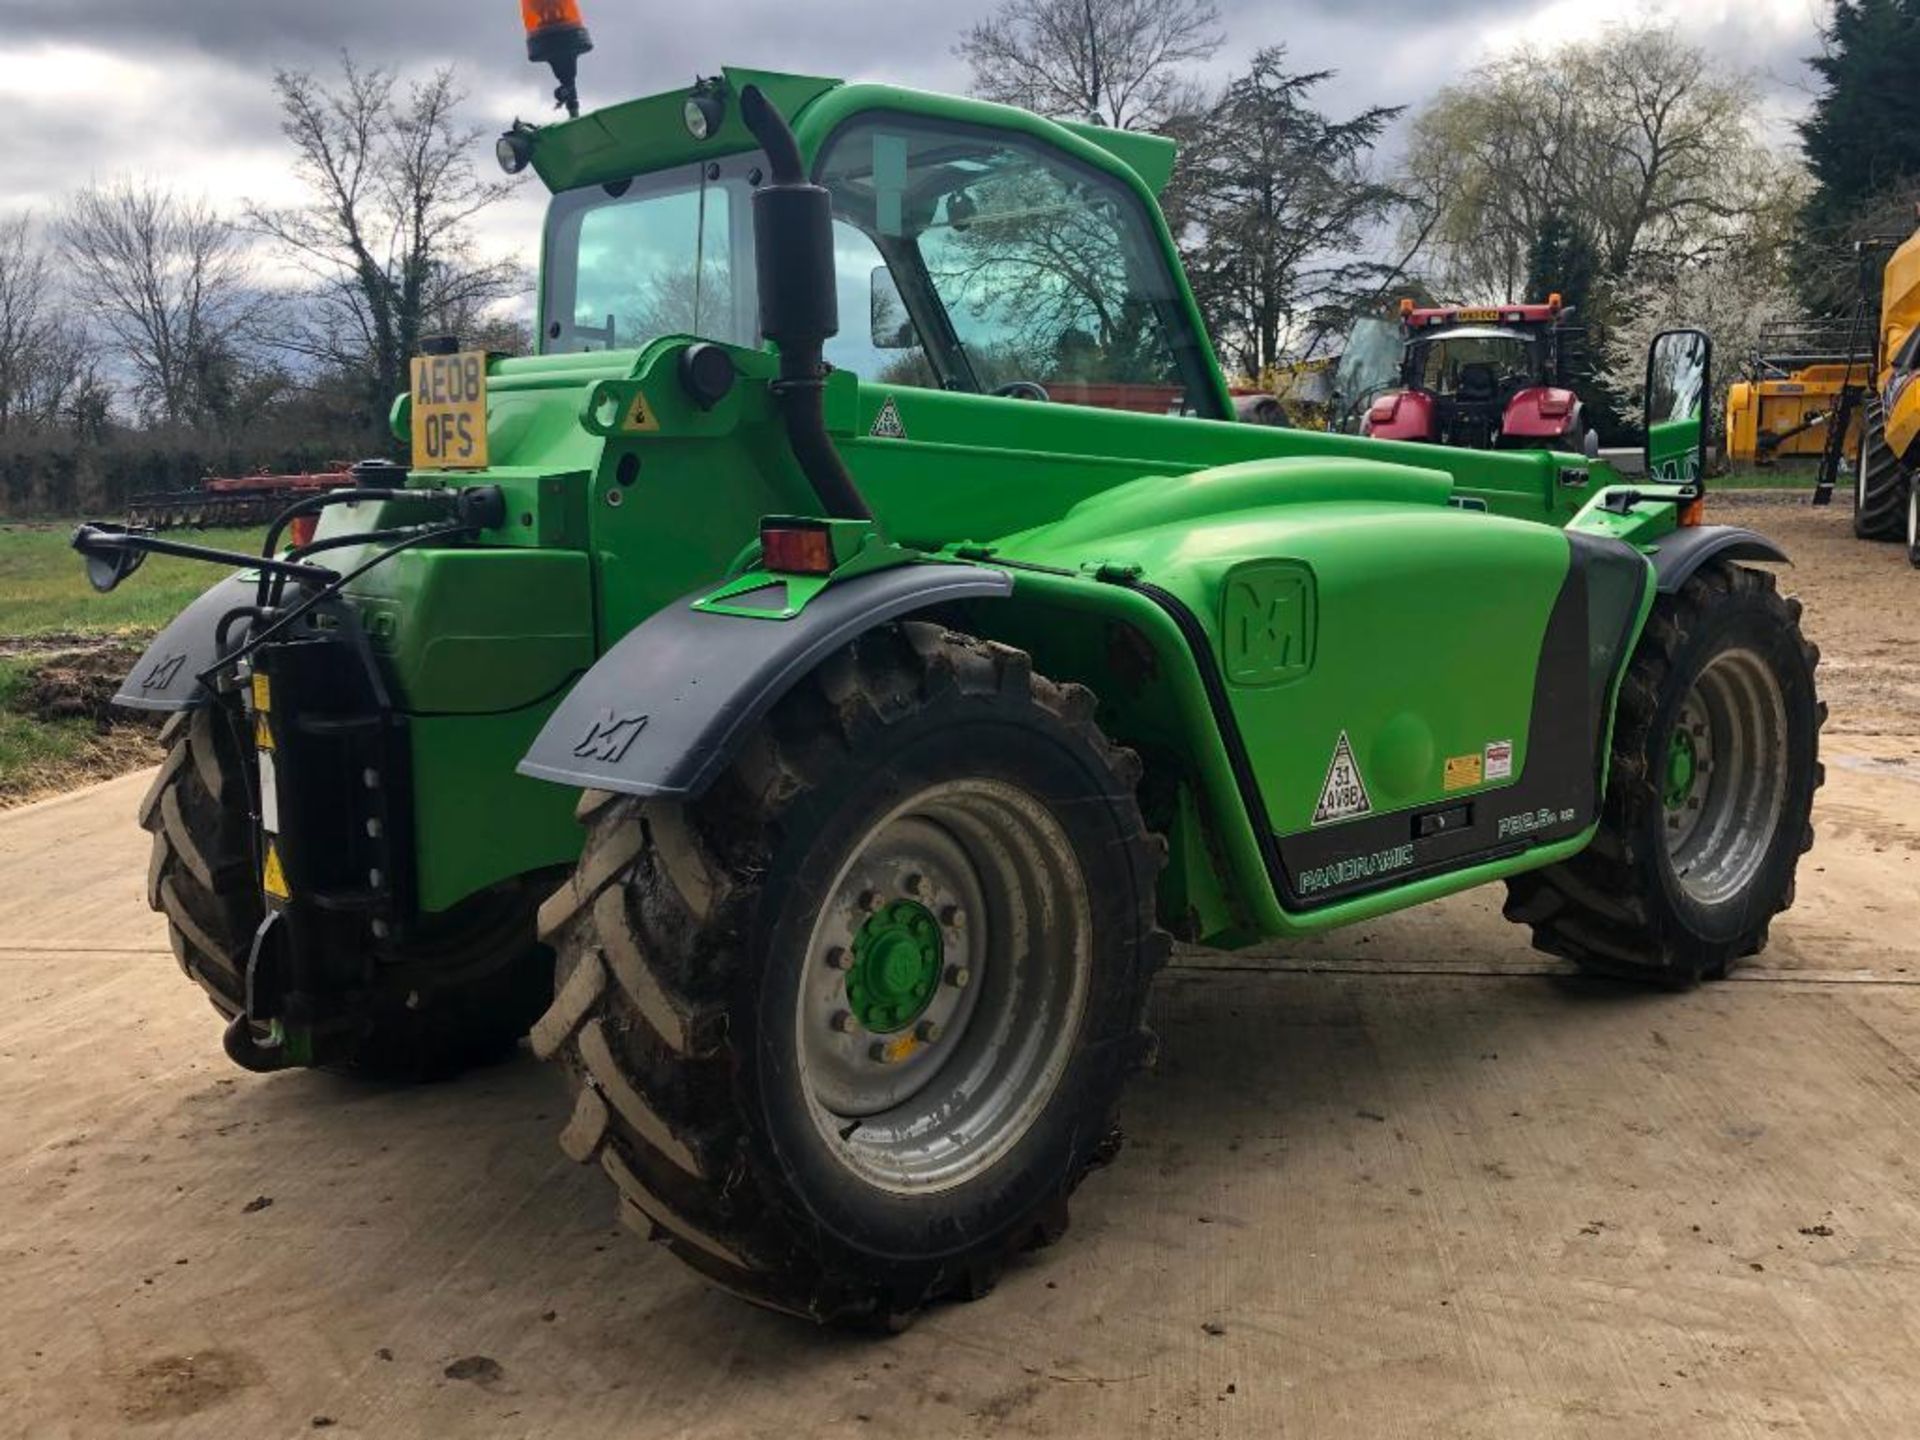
[(1004, 266)]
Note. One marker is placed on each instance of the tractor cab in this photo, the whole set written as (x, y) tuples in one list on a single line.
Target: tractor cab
[(1482, 379)]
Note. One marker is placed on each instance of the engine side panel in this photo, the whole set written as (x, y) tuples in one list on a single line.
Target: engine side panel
[(1409, 689)]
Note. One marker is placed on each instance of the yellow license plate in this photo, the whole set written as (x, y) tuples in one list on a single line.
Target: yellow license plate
[(450, 411), (1475, 317)]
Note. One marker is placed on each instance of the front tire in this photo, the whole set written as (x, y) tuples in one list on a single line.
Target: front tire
[(1880, 486), (848, 1031), (1716, 757), (204, 878)]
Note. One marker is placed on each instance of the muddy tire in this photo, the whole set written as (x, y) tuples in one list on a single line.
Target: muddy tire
[(846, 1032), (1880, 484), (1716, 757), (203, 876)]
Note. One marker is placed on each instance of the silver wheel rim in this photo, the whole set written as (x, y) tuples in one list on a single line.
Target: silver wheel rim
[(931, 1103), (1913, 515), (1722, 815)]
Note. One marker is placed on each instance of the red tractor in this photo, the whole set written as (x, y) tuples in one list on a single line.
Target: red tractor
[(1483, 378)]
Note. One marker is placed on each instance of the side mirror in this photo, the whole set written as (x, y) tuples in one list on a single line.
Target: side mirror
[(108, 557), (891, 328), (1679, 380)]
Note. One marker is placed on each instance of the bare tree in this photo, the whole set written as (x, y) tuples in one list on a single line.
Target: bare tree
[(386, 236), (168, 282), (1636, 140), (45, 360), (1123, 63)]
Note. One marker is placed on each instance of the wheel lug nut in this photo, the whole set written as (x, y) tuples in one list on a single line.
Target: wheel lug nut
[(869, 900), (838, 959), (916, 883), (927, 1031), (954, 918), (877, 1052), (842, 1021), (1693, 803), (959, 977)]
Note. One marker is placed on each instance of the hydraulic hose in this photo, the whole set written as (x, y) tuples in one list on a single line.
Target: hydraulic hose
[(799, 304)]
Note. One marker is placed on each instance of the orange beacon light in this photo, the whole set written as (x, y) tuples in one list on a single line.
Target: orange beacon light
[(557, 36)]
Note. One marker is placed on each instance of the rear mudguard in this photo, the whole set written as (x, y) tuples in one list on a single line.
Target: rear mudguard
[(1675, 557), (664, 710), (167, 676)]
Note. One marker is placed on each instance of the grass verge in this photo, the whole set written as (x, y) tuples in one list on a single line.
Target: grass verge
[(63, 650)]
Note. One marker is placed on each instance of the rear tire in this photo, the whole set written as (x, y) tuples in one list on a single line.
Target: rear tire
[(775, 1053), (1716, 757), (203, 877), (1880, 484)]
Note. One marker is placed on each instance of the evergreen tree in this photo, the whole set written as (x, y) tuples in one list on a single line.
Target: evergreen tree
[(1861, 142)]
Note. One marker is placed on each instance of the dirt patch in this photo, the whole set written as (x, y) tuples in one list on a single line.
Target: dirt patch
[(176, 1386), (62, 729), (79, 683)]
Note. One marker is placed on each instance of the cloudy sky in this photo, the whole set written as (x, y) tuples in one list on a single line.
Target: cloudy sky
[(179, 89)]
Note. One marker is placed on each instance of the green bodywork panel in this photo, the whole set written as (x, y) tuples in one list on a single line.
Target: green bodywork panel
[(1393, 594), (1673, 450), (1342, 597)]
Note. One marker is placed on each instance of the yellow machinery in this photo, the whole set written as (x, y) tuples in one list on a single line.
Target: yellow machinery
[(1791, 394), (1899, 378), (1884, 507)]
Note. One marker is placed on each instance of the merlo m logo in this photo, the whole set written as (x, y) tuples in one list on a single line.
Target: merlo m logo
[(1266, 622), (610, 737)]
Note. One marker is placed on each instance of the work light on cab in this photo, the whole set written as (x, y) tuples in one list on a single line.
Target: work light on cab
[(514, 149), (705, 108), (557, 36)]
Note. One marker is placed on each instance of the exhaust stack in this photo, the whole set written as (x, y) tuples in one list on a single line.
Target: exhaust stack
[(799, 305)]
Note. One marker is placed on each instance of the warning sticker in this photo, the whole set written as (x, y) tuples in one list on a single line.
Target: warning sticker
[(1463, 772), (639, 417), (886, 425), (274, 878), (1344, 796), (1499, 760)]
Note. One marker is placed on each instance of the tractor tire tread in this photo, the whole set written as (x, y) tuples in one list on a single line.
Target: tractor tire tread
[(1594, 909), (650, 1057), (1881, 488)]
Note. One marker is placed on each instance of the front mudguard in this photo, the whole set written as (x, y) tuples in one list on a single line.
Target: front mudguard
[(663, 711), (167, 677), (1675, 557)]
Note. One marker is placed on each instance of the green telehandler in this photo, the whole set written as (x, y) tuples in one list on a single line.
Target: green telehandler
[(817, 741)]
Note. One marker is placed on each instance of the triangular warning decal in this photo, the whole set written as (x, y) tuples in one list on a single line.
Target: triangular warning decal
[(639, 416), (1344, 796), (886, 425), (274, 879)]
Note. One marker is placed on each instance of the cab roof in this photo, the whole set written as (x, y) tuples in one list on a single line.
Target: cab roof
[(648, 134)]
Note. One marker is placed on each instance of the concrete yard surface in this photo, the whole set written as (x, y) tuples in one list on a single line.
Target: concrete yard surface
[(1413, 1180)]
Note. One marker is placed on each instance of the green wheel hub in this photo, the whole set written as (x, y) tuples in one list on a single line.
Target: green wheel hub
[(1682, 767), (896, 967)]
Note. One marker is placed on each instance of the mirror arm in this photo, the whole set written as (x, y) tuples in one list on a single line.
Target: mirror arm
[(109, 540)]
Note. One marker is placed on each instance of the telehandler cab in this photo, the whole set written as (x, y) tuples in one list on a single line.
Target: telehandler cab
[(857, 720)]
